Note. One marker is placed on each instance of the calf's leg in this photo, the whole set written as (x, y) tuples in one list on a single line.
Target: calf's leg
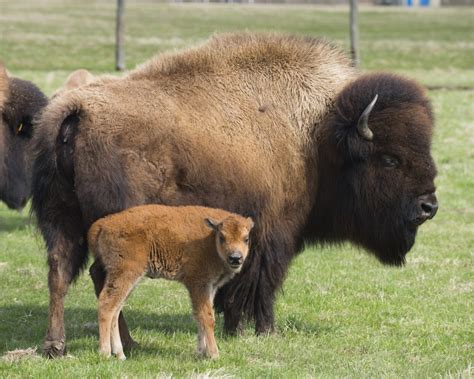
[(201, 343), (204, 315), (117, 347), (97, 273), (117, 287)]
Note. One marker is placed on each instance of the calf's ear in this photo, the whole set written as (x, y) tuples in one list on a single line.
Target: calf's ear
[(250, 222), (214, 225)]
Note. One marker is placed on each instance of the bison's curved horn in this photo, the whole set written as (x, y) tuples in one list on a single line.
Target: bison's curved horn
[(363, 123)]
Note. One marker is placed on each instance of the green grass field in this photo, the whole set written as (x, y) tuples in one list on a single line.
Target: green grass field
[(341, 313)]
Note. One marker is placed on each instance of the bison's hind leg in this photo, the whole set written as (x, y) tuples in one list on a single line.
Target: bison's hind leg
[(65, 260)]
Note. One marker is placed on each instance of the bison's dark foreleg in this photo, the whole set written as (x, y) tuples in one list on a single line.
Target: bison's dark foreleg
[(252, 293), (65, 260), (98, 274), (257, 304), (264, 307)]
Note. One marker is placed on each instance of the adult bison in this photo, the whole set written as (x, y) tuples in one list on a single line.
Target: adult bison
[(20, 101), (279, 128)]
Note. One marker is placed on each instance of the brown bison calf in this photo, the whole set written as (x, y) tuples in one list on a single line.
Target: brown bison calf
[(172, 243)]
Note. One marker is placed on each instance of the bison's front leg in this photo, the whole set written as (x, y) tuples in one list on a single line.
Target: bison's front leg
[(65, 259), (262, 311), (98, 277), (251, 294)]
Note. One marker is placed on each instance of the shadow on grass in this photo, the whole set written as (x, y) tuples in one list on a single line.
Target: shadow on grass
[(295, 325), (25, 325), (11, 221)]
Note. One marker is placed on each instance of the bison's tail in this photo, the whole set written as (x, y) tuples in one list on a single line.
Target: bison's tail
[(93, 236), (53, 198), (53, 168), (54, 133)]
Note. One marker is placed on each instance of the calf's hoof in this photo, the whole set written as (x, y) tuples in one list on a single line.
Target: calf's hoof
[(105, 354), (54, 348), (121, 356), (210, 354)]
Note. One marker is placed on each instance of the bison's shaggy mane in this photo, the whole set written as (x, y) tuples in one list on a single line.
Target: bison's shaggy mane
[(402, 123)]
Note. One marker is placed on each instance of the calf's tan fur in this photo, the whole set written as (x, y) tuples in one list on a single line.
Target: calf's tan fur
[(202, 248)]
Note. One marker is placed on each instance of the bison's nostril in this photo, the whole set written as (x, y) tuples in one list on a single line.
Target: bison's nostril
[(428, 206), (429, 209)]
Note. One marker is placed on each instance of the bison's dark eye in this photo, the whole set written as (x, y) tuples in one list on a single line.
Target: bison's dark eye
[(389, 161), (246, 240), (19, 128), (22, 129)]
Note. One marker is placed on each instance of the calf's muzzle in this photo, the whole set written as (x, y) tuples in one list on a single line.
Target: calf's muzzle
[(235, 259)]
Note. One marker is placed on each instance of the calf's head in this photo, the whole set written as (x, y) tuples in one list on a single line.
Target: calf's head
[(20, 101), (380, 174), (232, 239)]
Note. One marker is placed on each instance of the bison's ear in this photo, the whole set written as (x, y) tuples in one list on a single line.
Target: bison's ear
[(214, 225), (363, 123), (3, 84), (250, 222)]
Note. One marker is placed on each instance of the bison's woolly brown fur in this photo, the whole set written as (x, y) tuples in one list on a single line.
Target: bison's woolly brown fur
[(173, 243), (259, 124)]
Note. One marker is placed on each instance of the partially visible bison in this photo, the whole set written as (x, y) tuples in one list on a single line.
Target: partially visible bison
[(279, 128), (20, 101), (75, 79)]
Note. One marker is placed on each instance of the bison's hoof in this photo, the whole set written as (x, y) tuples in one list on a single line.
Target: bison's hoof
[(264, 330), (234, 330), (54, 348), (121, 356), (129, 344)]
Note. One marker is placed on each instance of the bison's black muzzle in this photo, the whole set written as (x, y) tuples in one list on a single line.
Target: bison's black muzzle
[(427, 207), (15, 202)]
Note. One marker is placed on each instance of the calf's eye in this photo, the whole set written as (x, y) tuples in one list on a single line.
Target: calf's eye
[(221, 238), (246, 240)]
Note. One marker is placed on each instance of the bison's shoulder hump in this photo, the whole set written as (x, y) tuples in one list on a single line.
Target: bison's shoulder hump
[(245, 51)]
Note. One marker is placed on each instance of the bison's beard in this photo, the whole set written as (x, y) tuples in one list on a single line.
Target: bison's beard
[(388, 232), (390, 246), (385, 230)]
